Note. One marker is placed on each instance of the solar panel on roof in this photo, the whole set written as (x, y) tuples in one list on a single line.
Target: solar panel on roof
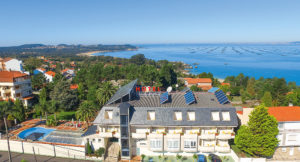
[(123, 91), (189, 97), (222, 98), (164, 97)]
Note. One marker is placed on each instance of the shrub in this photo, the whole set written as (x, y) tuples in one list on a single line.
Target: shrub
[(100, 152), (51, 122)]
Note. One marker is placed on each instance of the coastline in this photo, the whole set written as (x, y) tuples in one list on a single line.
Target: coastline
[(91, 53)]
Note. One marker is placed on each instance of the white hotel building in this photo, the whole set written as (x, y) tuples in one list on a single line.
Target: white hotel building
[(15, 85), (147, 123)]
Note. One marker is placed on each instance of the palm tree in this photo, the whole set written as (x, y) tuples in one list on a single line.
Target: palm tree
[(105, 92), (86, 111), (42, 107), (6, 108), (53, 108), (18, 110)]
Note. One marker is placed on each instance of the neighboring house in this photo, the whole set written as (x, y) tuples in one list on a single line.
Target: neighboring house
[(68, 73), (289, 128), (155, 123), (49, 75), (13, 85), (11, 64), (39, 71), (223, 84), (203, 83)]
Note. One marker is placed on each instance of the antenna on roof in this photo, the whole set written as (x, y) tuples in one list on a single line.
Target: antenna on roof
[(169, 89)]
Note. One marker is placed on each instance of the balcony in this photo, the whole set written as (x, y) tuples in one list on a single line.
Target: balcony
[(225, 136), (190, 149), (208, 136), (105, 134), (208, 149), (138, 135), (172, 149), (222, 149)]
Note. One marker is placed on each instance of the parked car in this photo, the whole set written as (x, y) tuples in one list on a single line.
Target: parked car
[(215, 158), (201, 158)]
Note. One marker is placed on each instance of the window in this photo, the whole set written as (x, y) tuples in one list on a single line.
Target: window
[(188, 144), (173, 143), (177, 115), (155, 143), (150, 115), (108, 114), (99, 140), (215, 116), (226, 116), (191, 115), (280, 125)]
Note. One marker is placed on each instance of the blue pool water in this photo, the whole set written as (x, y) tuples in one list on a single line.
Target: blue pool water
[(29, 131), (254, 60)]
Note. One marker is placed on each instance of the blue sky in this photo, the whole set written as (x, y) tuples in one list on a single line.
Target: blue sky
[(148, 21)]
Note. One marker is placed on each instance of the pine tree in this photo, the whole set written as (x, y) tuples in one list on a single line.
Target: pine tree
[(267, 99), (259, 137)]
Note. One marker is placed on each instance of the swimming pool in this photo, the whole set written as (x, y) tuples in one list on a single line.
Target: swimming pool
[(30, 131)]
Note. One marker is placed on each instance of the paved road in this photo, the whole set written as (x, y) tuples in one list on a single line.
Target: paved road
[(17, 157)]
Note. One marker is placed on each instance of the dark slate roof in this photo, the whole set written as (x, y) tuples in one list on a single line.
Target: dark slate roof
[(123, 91), (203, 100), (114, 121), (165, 117), (92, 130)]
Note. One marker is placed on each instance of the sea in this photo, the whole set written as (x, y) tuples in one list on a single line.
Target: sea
[(253, 60)]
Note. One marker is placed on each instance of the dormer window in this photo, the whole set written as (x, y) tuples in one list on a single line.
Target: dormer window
[(177, 115), (226, 116), (108, 114), (150, 115), (191, 115), (215, 116)]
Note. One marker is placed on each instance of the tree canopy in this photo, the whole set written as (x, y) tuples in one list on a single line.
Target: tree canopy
[(258, 138)]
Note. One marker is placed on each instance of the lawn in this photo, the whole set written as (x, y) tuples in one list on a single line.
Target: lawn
[(239, 152), (184, 159), (64, 115)]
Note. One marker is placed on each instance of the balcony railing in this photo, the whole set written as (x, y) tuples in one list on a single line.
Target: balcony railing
[(223, 149), (208, 136), (138, 135), (225, 136), (207, 149)]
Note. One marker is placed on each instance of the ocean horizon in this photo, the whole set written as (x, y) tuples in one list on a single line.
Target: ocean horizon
[(253, 60)]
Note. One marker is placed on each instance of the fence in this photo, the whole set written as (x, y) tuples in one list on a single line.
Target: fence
[(47, 149)]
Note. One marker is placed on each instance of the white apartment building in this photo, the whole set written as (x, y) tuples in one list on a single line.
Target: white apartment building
[(10, 64), (13, 85), (289, 128), (163, 123)]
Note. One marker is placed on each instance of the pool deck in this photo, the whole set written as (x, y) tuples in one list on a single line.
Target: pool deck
[(63, 125)]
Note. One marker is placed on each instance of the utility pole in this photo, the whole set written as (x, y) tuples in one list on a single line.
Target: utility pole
[(7, 138)]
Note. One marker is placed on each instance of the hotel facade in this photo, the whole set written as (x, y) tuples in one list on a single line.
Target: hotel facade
[(156, 123), (15, 85)]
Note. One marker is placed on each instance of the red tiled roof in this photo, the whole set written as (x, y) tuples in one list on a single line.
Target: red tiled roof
[(285, 113), (198, 80), (205, 87), (225, 84), (51, 73), (65, 70), (73, 86), (42, 69), (9, 76), (5, 59)]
